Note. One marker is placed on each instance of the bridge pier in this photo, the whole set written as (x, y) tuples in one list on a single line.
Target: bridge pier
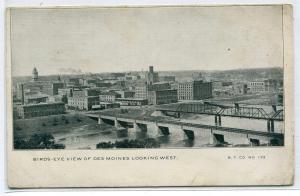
[(163, 130), (153, 131), (136, 127), (216, 137), (117, 123), (218, 120), (189, 134), (270, 126), (254, 142), (100, 121), (206, 133), (139, 127)]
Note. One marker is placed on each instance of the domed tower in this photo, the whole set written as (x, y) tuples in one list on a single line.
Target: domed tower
[(35, 74)]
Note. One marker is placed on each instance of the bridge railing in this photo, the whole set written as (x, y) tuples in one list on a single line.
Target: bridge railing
[(224, 110)]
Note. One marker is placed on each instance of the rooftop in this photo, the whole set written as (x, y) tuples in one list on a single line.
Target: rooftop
[(40, 104)]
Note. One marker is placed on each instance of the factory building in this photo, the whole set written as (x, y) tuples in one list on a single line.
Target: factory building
[(194, 90), (109, 97), (37, 86), (162, 97), (84, 99), (131, 101), (40, 109)]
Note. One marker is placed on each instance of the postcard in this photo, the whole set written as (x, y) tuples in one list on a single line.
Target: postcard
[(150, 96)]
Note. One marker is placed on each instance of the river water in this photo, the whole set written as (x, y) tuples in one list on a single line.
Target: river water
[(89, 135)]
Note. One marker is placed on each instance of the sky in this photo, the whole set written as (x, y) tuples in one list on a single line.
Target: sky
[(70, 40)]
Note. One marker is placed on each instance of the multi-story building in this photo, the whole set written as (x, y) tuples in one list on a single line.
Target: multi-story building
[(240, 88), (142, 90), (131, 101), (103, 84), (257, 86), (51, 88), (271, 85), (87, 92), (267, 85), (84, 99), (87, 82), (83, 102), (109, 97), (35, 98), (159, 86), (41, 109), (58, 98), (194, 90), (74, 81), (65, 91), (28, 88), (126, 93), (108, 105), (166, 96), (37, 86)]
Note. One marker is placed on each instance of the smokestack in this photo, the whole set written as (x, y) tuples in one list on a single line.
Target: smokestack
[(22, 94)]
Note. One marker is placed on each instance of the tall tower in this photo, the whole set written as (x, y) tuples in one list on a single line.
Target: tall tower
[(151, 70), (152, 77), (35, 74)]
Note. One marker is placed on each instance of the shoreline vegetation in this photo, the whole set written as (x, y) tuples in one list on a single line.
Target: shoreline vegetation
[(38, 141), (141, 143)]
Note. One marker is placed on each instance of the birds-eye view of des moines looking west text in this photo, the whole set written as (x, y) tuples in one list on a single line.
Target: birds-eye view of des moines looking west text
[(106, 79)]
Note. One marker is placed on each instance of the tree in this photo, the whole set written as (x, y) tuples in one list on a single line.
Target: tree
[(38, 141), (54, 122), (105, 145), (147, 143)]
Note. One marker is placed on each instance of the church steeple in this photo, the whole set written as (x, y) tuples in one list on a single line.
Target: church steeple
[(35, 74)]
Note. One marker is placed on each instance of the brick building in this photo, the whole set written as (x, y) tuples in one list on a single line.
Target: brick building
[(84, 99), (162, 97), (109, 97), (35, 98), (194, 90), (41, 109), (131, 101)]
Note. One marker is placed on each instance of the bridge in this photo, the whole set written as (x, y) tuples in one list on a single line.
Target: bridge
[(219, 110), (155, 126)]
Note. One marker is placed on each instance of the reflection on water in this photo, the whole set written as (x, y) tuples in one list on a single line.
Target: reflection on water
[(88, 136)]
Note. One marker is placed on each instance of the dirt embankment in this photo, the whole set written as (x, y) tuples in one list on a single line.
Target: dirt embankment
[(50, 124)]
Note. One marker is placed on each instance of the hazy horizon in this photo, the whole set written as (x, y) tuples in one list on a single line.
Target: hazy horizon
[(102, 40), (83, 73)]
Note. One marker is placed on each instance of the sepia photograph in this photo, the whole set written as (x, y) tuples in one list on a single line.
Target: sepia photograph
[(168, 95)]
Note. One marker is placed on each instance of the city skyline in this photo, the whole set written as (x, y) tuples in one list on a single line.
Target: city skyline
[(157, 37), (137, 71)]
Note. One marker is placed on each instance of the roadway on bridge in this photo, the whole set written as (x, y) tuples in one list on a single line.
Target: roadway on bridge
[(136, 115)]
